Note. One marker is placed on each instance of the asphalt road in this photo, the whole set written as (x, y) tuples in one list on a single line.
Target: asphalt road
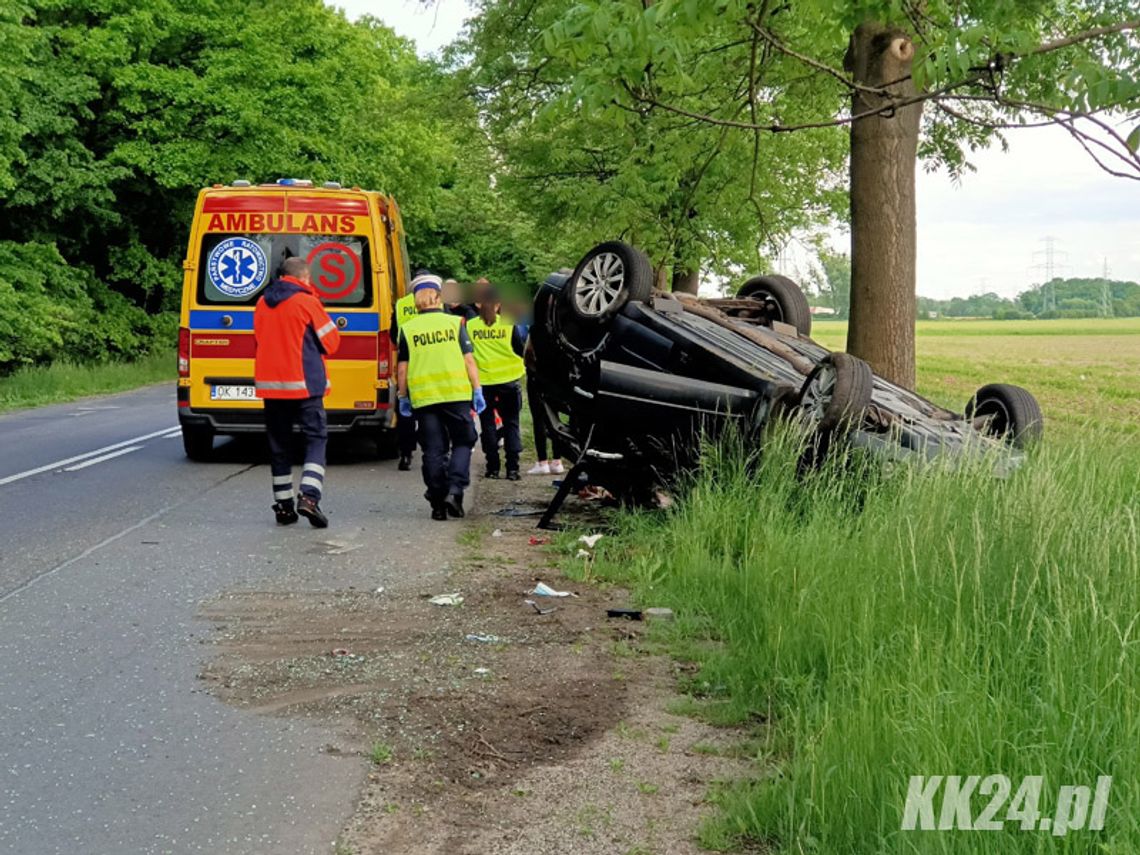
[(110, 540)]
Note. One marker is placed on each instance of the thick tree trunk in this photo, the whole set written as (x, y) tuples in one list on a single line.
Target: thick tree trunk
[(686, 281), (884, 151)]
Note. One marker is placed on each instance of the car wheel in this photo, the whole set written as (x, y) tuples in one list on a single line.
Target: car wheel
[(1006, 412), (836, 393), (198, 443), (783, 300), (608, 276)]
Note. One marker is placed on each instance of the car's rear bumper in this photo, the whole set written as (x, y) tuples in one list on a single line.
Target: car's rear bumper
[(226, 422)]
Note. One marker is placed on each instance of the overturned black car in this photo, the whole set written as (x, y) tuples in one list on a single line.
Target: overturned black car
[(630, 378)]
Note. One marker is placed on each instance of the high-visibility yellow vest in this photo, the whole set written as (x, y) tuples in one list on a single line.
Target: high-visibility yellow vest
[(437, 371), (497, 362), (405, 309)]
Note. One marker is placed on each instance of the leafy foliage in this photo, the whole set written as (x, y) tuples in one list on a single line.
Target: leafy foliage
[(115, 112), (1061, 298), (553, 81)]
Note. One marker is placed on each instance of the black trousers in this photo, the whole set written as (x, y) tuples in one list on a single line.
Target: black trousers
[(447, 435), (538, 417), (406, 435), (281, 414), (506, 399)]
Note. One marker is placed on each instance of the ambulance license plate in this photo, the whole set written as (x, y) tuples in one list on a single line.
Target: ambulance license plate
[(232, 393)]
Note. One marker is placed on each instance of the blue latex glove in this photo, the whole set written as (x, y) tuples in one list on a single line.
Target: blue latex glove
[(478, 401), (406, 407)]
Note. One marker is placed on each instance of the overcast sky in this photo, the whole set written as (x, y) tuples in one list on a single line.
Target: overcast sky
[(984, 235)]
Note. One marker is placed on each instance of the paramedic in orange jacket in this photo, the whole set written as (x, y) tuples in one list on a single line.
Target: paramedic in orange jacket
[(294, 334)]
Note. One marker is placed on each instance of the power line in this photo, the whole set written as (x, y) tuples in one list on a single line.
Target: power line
[(1051, 262), (1105, 293)]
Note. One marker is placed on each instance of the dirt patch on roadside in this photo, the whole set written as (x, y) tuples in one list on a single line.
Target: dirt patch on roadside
[(484, 727)]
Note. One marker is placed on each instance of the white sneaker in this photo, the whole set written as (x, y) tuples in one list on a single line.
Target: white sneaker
[(540, 468), (555, 467)]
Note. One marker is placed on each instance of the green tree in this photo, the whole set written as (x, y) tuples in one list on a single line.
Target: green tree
[(115, 112), (836, 284), (931, 80), (592, 164)]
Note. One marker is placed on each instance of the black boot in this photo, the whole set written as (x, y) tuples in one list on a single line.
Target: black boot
[(438, 511), (405, 462), (513, 475), (454, 505), (286, 513), (308, 507)]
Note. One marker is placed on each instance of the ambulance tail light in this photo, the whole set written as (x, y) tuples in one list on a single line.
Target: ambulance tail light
[(383, 367), (183, 352)]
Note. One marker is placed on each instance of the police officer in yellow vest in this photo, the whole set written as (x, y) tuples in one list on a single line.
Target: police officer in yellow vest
[(438, 381), (405, 310), (499, 344)]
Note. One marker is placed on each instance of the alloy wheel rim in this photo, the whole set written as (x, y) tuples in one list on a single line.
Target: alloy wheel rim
[(599, 284), (818, 394)]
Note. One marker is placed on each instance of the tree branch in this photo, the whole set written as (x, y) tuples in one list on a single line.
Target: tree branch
[(1087, 35)]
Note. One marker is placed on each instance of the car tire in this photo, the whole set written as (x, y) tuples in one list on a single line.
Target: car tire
[(836, 393), (1007, 412), (784, 300), (608, 276), (198, 443)]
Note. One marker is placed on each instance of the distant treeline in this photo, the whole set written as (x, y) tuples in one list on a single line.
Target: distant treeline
[(1060, 298)]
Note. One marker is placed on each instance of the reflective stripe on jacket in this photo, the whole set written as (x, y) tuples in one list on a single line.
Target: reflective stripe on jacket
[(437, 371), (293, 333), (496, 358)]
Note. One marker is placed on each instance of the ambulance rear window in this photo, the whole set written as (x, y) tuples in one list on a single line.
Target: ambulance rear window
[(235, 268)]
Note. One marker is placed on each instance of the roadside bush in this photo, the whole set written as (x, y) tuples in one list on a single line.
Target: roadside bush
[(49, 309)]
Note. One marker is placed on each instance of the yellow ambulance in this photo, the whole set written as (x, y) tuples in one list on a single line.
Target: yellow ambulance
[(354, 241)]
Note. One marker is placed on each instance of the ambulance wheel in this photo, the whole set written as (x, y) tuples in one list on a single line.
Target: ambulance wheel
[(197, 442), (387, 444)]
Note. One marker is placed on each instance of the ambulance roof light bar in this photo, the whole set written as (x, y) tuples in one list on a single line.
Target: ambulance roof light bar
[(241, 182), (294, 182)]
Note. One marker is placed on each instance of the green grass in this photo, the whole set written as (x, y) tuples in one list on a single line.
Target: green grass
[(381, 753), (917, 622), (64, 381)]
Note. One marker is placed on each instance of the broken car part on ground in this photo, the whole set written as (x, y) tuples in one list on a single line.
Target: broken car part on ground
[(631, 377)]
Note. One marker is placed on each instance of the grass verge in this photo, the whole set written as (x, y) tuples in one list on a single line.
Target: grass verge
[(916, 622), (65, 381)]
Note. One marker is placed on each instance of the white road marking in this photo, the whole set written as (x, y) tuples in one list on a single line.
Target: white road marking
[(101, 458), (59, 464)]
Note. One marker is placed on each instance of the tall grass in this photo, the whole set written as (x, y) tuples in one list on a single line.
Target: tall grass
[(916, 622), (66, 381)]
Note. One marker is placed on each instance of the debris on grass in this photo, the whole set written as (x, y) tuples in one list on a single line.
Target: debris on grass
[(544, 590), (540, 609), (591, 540), (539, 541), (447, 600)]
